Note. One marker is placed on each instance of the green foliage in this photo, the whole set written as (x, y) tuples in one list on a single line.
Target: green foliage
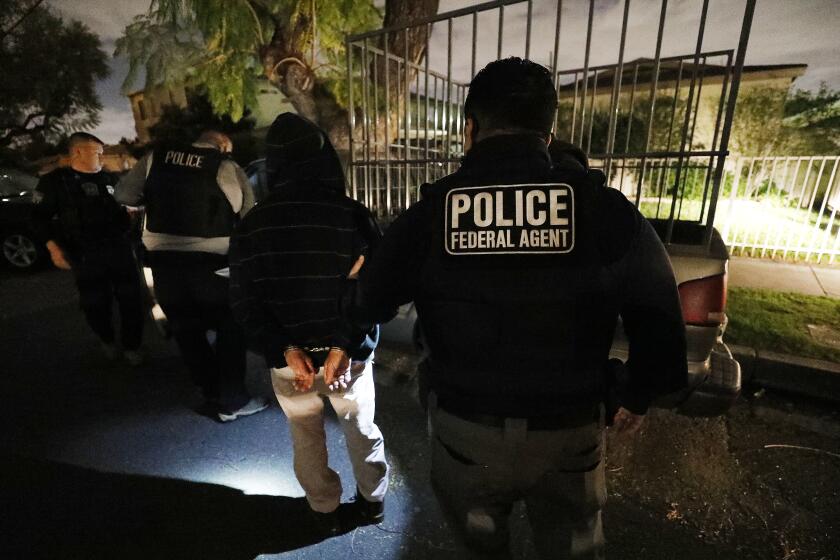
[(757, 128), (779, 321), (815, 118), (49, 70), (219, 44), (667, 123)]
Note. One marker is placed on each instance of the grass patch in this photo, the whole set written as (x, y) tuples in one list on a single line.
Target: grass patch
[(778, 321)]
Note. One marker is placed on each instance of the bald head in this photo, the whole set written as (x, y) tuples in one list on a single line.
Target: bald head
[(221, 141), (85, 151)]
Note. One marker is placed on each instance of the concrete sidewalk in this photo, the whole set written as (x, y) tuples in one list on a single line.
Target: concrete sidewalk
[(812, 280)]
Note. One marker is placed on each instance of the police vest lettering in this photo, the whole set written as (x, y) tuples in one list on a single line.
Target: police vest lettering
[(184, 159), (510, 219)]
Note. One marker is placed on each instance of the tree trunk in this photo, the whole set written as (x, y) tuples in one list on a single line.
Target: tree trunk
[(285, 66)]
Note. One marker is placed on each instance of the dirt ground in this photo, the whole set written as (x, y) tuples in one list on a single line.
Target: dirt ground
[(762, 482)]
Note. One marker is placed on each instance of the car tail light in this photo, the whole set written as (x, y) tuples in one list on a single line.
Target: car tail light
[(704, 300)]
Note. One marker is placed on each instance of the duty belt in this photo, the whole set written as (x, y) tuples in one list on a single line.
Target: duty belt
[(569, 418)]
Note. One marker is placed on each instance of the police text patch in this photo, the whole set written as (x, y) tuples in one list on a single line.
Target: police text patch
[(510, 219)]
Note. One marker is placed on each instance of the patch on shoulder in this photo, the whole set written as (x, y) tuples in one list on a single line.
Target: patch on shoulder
[(522, 219), (110, 189)]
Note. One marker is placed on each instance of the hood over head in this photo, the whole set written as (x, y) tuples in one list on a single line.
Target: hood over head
[(298, 151)]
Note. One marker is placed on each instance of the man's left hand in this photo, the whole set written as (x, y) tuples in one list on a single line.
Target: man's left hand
[(337, 369)]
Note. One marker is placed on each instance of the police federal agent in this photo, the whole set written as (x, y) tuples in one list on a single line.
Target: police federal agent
[(194, 195), (89, 236), (519, 270)]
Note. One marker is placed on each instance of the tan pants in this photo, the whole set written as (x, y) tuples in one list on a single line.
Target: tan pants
[(355, 407), (480, 471)]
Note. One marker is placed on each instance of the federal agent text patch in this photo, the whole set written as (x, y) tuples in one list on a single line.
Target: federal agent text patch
[(510, 219)]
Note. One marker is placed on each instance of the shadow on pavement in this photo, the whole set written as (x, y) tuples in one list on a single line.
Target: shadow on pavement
[(55, 510)]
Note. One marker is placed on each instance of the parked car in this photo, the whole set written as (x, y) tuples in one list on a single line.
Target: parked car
[(20, 249)]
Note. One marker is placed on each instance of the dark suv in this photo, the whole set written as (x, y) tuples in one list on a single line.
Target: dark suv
[(19, 248)]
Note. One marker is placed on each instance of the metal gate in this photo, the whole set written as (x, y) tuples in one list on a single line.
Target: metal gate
[(657, 125)]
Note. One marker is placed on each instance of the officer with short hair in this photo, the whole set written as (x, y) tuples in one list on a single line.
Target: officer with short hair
[(519, 270), (90, 237), (194, 195)]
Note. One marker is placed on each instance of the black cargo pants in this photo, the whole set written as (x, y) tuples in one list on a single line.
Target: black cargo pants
[(195, 301), (479, 471), (104, 272)]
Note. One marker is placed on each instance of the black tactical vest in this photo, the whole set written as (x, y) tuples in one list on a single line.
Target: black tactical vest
[(90, 214), (516, 312), (182, 195)]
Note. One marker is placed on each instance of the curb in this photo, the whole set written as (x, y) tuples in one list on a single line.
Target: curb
[(804, 376)]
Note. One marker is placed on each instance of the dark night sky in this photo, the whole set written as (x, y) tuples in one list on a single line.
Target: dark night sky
[(784, 31)]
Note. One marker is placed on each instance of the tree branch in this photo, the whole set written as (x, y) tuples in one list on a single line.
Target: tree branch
[(25, 15)]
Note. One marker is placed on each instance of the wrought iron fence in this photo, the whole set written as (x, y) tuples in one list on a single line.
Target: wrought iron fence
[(783, 207), (659, 126)]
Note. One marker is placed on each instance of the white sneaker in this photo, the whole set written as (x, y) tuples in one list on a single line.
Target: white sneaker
[(256, 404)]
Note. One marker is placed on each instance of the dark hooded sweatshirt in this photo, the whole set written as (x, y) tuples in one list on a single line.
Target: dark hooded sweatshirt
[(290, 255)]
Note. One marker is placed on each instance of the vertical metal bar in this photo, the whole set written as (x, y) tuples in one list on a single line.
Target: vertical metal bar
[(586, 66), (696, 109), (374, 202), (746, 25), (630, 108), (406, 116), (733, 195), (556, 44), (592, 114), (830, 224), (528, 30), (798, 206), (426, 90), (574, 111), (449, 89), (501, 31), (770, 190), (351, 115), (436, 114), (641, 167), (806, 217), (687, 117), (790, 194), (474, 42), (385, 48), (364, 75), (654, 82), (782, 190), (616, 92), (664, 176), (718, 119), (739, 228)]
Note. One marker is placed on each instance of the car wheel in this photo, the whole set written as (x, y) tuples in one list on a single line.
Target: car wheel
[(20, 251)]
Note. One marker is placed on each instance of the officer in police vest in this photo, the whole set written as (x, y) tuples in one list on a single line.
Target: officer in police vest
[(90, 237), (194, 195), (519, 271)]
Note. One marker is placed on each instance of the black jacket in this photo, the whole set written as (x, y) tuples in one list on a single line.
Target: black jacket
[(86, 214), (290, 255), (524, 332)]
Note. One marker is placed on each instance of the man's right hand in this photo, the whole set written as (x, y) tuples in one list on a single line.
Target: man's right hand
[(301, 364), (57, 256)]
